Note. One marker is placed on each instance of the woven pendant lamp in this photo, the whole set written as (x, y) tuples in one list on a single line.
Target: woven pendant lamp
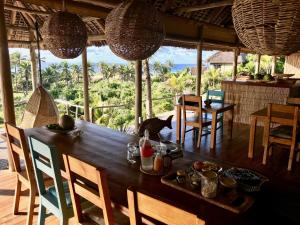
[(134, 30), (269, 27), (41, 109), (64, 34)]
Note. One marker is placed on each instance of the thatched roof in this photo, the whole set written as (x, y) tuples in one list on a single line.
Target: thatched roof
[(225, 58), (183, 28)]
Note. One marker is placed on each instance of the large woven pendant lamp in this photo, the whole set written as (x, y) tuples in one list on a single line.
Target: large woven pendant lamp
[(134, 30), (269, 27), (41, 109), (64, 34)]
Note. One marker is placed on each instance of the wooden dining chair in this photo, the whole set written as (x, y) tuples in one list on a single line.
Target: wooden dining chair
[(55, 199), (286, 133), (79, 173), (141, 204), (216, 96), (293, 101), (193, 104), (18, 149)]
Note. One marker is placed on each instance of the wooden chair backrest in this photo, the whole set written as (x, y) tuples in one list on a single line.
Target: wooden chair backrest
[(18, 148), (293, 101), (78, 173), (140, 204), (192, 103), (215, 96), (46, 161)]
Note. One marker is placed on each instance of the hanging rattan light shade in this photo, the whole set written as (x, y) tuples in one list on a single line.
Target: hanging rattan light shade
[(65, 35), (269, 27), (134, 30), (40, 110)]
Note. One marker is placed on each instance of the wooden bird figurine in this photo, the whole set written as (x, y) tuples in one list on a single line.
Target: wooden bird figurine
[(154, 126)]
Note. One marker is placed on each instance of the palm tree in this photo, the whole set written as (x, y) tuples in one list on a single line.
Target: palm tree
[(65, 73), (25, 70), (15, 60), (76, 72)]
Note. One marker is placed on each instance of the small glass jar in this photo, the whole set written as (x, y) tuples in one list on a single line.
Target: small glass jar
[(209, 184)]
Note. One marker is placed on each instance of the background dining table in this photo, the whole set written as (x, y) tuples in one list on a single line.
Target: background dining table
[(214, 109), (106, 148)]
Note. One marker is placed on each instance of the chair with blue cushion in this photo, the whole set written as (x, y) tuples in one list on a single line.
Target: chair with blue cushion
[(216, 96), (56, 199)]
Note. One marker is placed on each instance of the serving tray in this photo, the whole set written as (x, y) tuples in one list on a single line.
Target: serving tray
[(232, 200)]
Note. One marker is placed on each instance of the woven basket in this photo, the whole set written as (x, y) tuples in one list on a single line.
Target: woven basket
[(40, 110), (269, 27), (134, 30), (65, 35)]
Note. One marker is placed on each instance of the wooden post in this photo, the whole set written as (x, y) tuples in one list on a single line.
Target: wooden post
[(148, 89), (5, 78), (257, 64), (235, 62), (199, 68), (33, 68), (85, 86), (138, 94), (274, 64)]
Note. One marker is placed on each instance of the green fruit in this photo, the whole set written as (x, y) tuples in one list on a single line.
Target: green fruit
[(66, 122)]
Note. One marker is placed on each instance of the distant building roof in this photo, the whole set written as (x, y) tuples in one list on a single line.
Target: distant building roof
[(225, 58)]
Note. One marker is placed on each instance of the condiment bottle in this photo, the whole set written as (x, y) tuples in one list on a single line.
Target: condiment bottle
[(146, 152), (158, 162)]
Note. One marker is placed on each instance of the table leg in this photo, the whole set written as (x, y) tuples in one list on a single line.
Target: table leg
[(213, 130), (231, 122), (252, 136), (265, 135), (178, 124)]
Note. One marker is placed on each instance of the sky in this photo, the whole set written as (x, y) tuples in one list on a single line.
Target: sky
[(104, 54)]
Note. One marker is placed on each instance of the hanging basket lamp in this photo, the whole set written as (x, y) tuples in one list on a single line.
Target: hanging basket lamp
[(134, 30), (64, 35), (269, 27)]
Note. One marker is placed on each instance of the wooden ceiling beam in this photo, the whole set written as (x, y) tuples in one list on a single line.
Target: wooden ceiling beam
[(204, 6), (110, 4), (24, 10)]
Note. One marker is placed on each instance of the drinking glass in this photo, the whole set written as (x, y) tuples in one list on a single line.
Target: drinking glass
[(131, 153)]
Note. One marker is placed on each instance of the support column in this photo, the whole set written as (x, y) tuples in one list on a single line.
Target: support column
[(235, 62), (85, 86), (257, 64), (274, 59), (33, 68), (199, 68), (5, 78), (138, 94)]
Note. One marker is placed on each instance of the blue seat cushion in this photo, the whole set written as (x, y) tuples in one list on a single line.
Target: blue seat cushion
[(283, 132), (52, 191)]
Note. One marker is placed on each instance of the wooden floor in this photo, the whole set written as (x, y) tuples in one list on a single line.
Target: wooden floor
[(279, 200)]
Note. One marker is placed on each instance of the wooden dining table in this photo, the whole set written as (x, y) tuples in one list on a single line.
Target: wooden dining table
[(214, 109), (106, 148)]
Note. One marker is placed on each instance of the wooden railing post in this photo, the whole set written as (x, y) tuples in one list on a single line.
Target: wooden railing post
[(5, 78), (235, 62)]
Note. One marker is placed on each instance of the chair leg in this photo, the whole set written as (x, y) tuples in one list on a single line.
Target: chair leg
[(270, 150), (264, 162), (32, 194), (298, 157), (199, 137), (17, 197), (183, 134), (42, 215), (291, 158)]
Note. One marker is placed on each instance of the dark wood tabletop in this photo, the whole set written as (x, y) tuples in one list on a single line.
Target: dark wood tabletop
[(106, 148)]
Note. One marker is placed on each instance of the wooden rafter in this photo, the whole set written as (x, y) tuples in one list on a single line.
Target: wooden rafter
[(12, 22), (204, 6), (110, 4), (24, 10)]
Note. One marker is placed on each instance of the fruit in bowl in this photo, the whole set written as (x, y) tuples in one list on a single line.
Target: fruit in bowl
[(66, 122)]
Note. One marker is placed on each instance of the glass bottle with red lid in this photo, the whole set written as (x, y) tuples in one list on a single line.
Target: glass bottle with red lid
[(146, 152)]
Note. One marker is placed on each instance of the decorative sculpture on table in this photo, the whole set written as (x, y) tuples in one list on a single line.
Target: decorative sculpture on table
[(154, 126), (270, 27), (134, 30), (64, 34)]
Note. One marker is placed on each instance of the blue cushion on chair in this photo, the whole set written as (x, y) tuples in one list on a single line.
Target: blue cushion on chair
[(52, 191)]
